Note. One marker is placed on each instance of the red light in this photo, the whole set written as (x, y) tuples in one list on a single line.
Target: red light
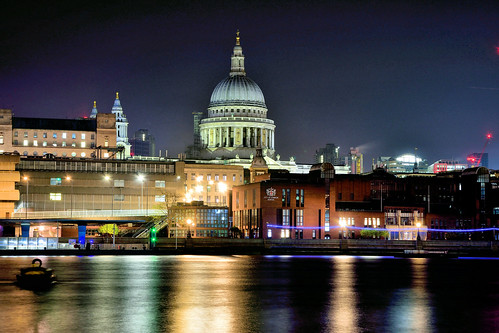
[(497, 50), (489, 136)]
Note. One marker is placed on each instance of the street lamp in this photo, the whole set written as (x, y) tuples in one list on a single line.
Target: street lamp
[(418, 225), (26, 179), (189, 222), (68, 178)]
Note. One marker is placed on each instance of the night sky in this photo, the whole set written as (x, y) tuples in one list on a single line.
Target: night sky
[(384, 76)]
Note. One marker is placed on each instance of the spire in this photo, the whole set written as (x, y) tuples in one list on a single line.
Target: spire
[(94, 112), (237, 59), (117, 95)]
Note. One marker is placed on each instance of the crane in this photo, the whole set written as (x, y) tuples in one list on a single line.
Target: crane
[(473, 159)]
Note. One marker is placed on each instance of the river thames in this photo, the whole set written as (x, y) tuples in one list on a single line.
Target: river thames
[(254, 294)]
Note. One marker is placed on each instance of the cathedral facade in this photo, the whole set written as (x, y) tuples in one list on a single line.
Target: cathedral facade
[(236, 122)]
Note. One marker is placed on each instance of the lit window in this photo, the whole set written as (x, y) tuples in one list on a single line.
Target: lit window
[(119, 197), (83, 145), (44, 143), (106, 143), (160, 198), (1, 139), (269, 233), (73, 136), (106, 155), (119, 183), (54, 135), (25, 142), (35, 134), (35, 142), (216, 178), (44, 135), (83, 136), (159, 183), (54, 143), (25, 134), (64, 143), (55, 181), (224, 177), (285, 217), (64, 135), (55, 196)]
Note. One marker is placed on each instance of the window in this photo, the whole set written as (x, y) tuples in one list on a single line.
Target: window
[(313, 234), (193, 176), (160, 198), (326, 220), (269, 233), (15, 134), (44, 143), (15, 142), (284, 233), (54, 143), (45, 135), (119, 183), (73, 144), (35, 134), (106, 155), (285, 217), (54, 135), (64, 135), (25, 134), (234, 177), (55, 181), (216, 178), (35, 143), (159, 183), (1, 139), (55, 196), (82, 144), (73, 136), (224, 177), (208, 177), (25, 142), (119, 197), (299, 217), (64, 143), (92, 137), (83, 136)]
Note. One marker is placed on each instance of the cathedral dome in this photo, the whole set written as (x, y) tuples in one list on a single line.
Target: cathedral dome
[(237, 90)]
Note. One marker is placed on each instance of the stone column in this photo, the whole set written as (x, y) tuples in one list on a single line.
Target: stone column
[(220, 138), (248, 137), (227, 137)]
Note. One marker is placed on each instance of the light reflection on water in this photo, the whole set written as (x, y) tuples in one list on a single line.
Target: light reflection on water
[(253, 294)]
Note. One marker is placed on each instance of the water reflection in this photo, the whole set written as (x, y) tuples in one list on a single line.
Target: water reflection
[(252, 294)]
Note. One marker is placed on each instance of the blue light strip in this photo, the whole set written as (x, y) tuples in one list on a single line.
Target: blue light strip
[(421, 229)]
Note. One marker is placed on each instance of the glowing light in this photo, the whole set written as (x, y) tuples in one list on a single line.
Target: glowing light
[(222, 187), (489, 136), (384, 229), (25, 178), (199, 188), (107, 177), (140, 178), (199, 178), (497, 50)]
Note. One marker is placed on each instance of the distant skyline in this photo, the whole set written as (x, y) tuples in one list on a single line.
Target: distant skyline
[(385, 76)]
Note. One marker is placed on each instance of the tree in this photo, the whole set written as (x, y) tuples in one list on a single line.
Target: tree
[(109, 229), (163, 218), (370, 233)]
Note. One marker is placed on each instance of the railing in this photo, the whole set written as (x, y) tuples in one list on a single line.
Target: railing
[(86, 213)]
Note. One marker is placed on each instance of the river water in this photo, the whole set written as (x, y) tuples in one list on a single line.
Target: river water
[(254, 294)]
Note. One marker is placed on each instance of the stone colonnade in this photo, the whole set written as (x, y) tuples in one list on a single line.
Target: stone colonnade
[(235, 137)]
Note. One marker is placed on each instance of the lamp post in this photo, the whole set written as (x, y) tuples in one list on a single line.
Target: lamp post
[(26, 179), (141, 180), (68, 178), (108, 178)]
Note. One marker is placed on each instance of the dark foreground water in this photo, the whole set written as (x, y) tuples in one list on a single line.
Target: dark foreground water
[(254, 294)]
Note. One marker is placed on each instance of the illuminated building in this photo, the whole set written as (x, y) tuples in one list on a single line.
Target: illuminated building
[(121, 129), (201, 220), (407, 163), (445, 166), (318, 207), (82, 138), (236, 122)]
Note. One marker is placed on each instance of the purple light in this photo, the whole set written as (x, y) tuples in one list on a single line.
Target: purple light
[(385, 229)]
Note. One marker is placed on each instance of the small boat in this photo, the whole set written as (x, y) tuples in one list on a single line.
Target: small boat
[(36, 276)]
